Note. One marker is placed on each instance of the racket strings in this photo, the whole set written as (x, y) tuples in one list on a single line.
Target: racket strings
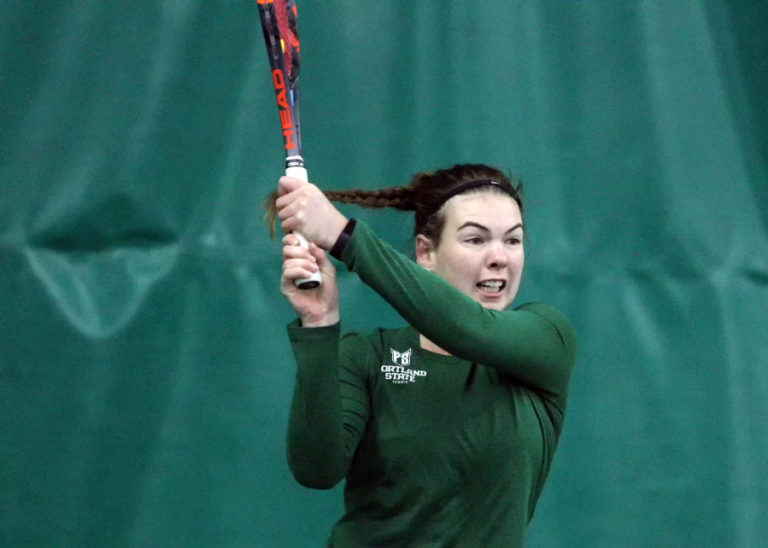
[(290, 42)]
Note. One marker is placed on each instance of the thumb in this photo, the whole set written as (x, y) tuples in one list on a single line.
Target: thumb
[(324, 262), (318, 253)]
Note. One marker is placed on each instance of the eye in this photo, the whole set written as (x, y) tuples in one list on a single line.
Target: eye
[(474, 240), (514, 240)]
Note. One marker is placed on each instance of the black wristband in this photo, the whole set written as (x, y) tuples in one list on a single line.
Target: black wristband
[(341, 241)]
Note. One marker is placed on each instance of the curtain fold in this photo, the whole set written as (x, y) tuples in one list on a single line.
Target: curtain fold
[(145, 374)]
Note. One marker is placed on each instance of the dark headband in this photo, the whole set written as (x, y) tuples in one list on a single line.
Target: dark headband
[(469, 185)]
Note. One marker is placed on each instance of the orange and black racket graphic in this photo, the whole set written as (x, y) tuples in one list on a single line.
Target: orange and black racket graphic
[(278, 21)]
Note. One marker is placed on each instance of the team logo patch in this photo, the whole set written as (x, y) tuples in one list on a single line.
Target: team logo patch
[(399, 371), (401, 358)]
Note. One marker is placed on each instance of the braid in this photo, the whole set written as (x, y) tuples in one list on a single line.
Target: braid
[(424, 195), (397, 197)]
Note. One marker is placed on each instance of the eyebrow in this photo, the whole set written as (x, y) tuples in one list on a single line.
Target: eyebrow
[(472, 224)]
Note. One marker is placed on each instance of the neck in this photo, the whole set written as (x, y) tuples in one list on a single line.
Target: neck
[(426, 344)]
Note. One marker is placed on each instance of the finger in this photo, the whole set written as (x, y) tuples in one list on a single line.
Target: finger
[(299, 271), (287, 198), (290, 225), (289, 210), (291, 239), (292, 264), (288, 184), (317, 253), (284, 200), (323, 261), (298, 252)]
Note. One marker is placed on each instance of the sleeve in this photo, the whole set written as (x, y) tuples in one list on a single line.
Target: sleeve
[(535, 344), (330, 405)]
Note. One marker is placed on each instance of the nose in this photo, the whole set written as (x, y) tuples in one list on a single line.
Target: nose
[(497, 257)]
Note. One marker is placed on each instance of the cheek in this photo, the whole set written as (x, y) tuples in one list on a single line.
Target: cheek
[(516, 264), (518, 259), (458, 268), (466, 263)]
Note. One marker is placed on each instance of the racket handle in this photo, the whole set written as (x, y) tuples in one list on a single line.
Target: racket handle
[(295, 168)]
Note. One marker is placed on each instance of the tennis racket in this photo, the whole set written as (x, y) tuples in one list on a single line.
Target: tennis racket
[(278, 21)]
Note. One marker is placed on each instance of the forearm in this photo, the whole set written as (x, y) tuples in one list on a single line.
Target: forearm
[(315, 444)]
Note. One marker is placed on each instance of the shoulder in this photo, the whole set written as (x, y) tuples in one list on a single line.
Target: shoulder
[(544, 310), (554, 318)]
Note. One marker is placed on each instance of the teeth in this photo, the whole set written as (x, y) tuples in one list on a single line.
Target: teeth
[(494, 284)]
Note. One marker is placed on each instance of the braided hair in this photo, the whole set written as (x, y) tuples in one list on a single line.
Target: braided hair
[(425, 195)]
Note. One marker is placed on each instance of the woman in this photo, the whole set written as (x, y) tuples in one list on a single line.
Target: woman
[(444, 429)]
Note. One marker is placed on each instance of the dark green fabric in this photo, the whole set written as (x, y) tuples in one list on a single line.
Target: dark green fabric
[(145, 375), (450, 451), (455, 457), (539, 347)]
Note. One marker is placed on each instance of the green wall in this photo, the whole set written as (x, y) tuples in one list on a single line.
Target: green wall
[(144, 369)]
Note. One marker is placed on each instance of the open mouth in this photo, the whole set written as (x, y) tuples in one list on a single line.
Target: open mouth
[(491, 286)]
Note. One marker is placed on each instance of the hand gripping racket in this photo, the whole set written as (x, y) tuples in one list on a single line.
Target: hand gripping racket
[(278, 21)]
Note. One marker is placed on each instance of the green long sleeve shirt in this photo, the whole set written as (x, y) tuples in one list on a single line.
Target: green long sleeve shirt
[(436, 450)]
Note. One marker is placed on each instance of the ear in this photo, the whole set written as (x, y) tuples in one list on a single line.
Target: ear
[(424, 249)]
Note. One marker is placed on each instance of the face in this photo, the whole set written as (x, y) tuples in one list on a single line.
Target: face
[(481, 248)]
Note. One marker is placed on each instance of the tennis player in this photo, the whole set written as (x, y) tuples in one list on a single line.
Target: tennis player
[(444, 429)]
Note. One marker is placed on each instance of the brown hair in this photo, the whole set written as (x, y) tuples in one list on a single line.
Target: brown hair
[(425, 195)]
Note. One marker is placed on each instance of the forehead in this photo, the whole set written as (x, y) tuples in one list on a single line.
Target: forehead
[(492, 209)]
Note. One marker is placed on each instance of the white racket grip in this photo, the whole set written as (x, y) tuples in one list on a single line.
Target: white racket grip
[(296, 171), (300, 172)]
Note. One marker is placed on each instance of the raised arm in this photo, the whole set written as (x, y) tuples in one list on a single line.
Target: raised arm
[(534, 343)]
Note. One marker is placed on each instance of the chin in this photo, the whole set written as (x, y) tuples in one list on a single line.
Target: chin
[(500, 304)]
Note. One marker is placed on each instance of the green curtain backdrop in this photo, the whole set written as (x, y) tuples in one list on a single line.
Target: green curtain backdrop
[(144, 369)]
